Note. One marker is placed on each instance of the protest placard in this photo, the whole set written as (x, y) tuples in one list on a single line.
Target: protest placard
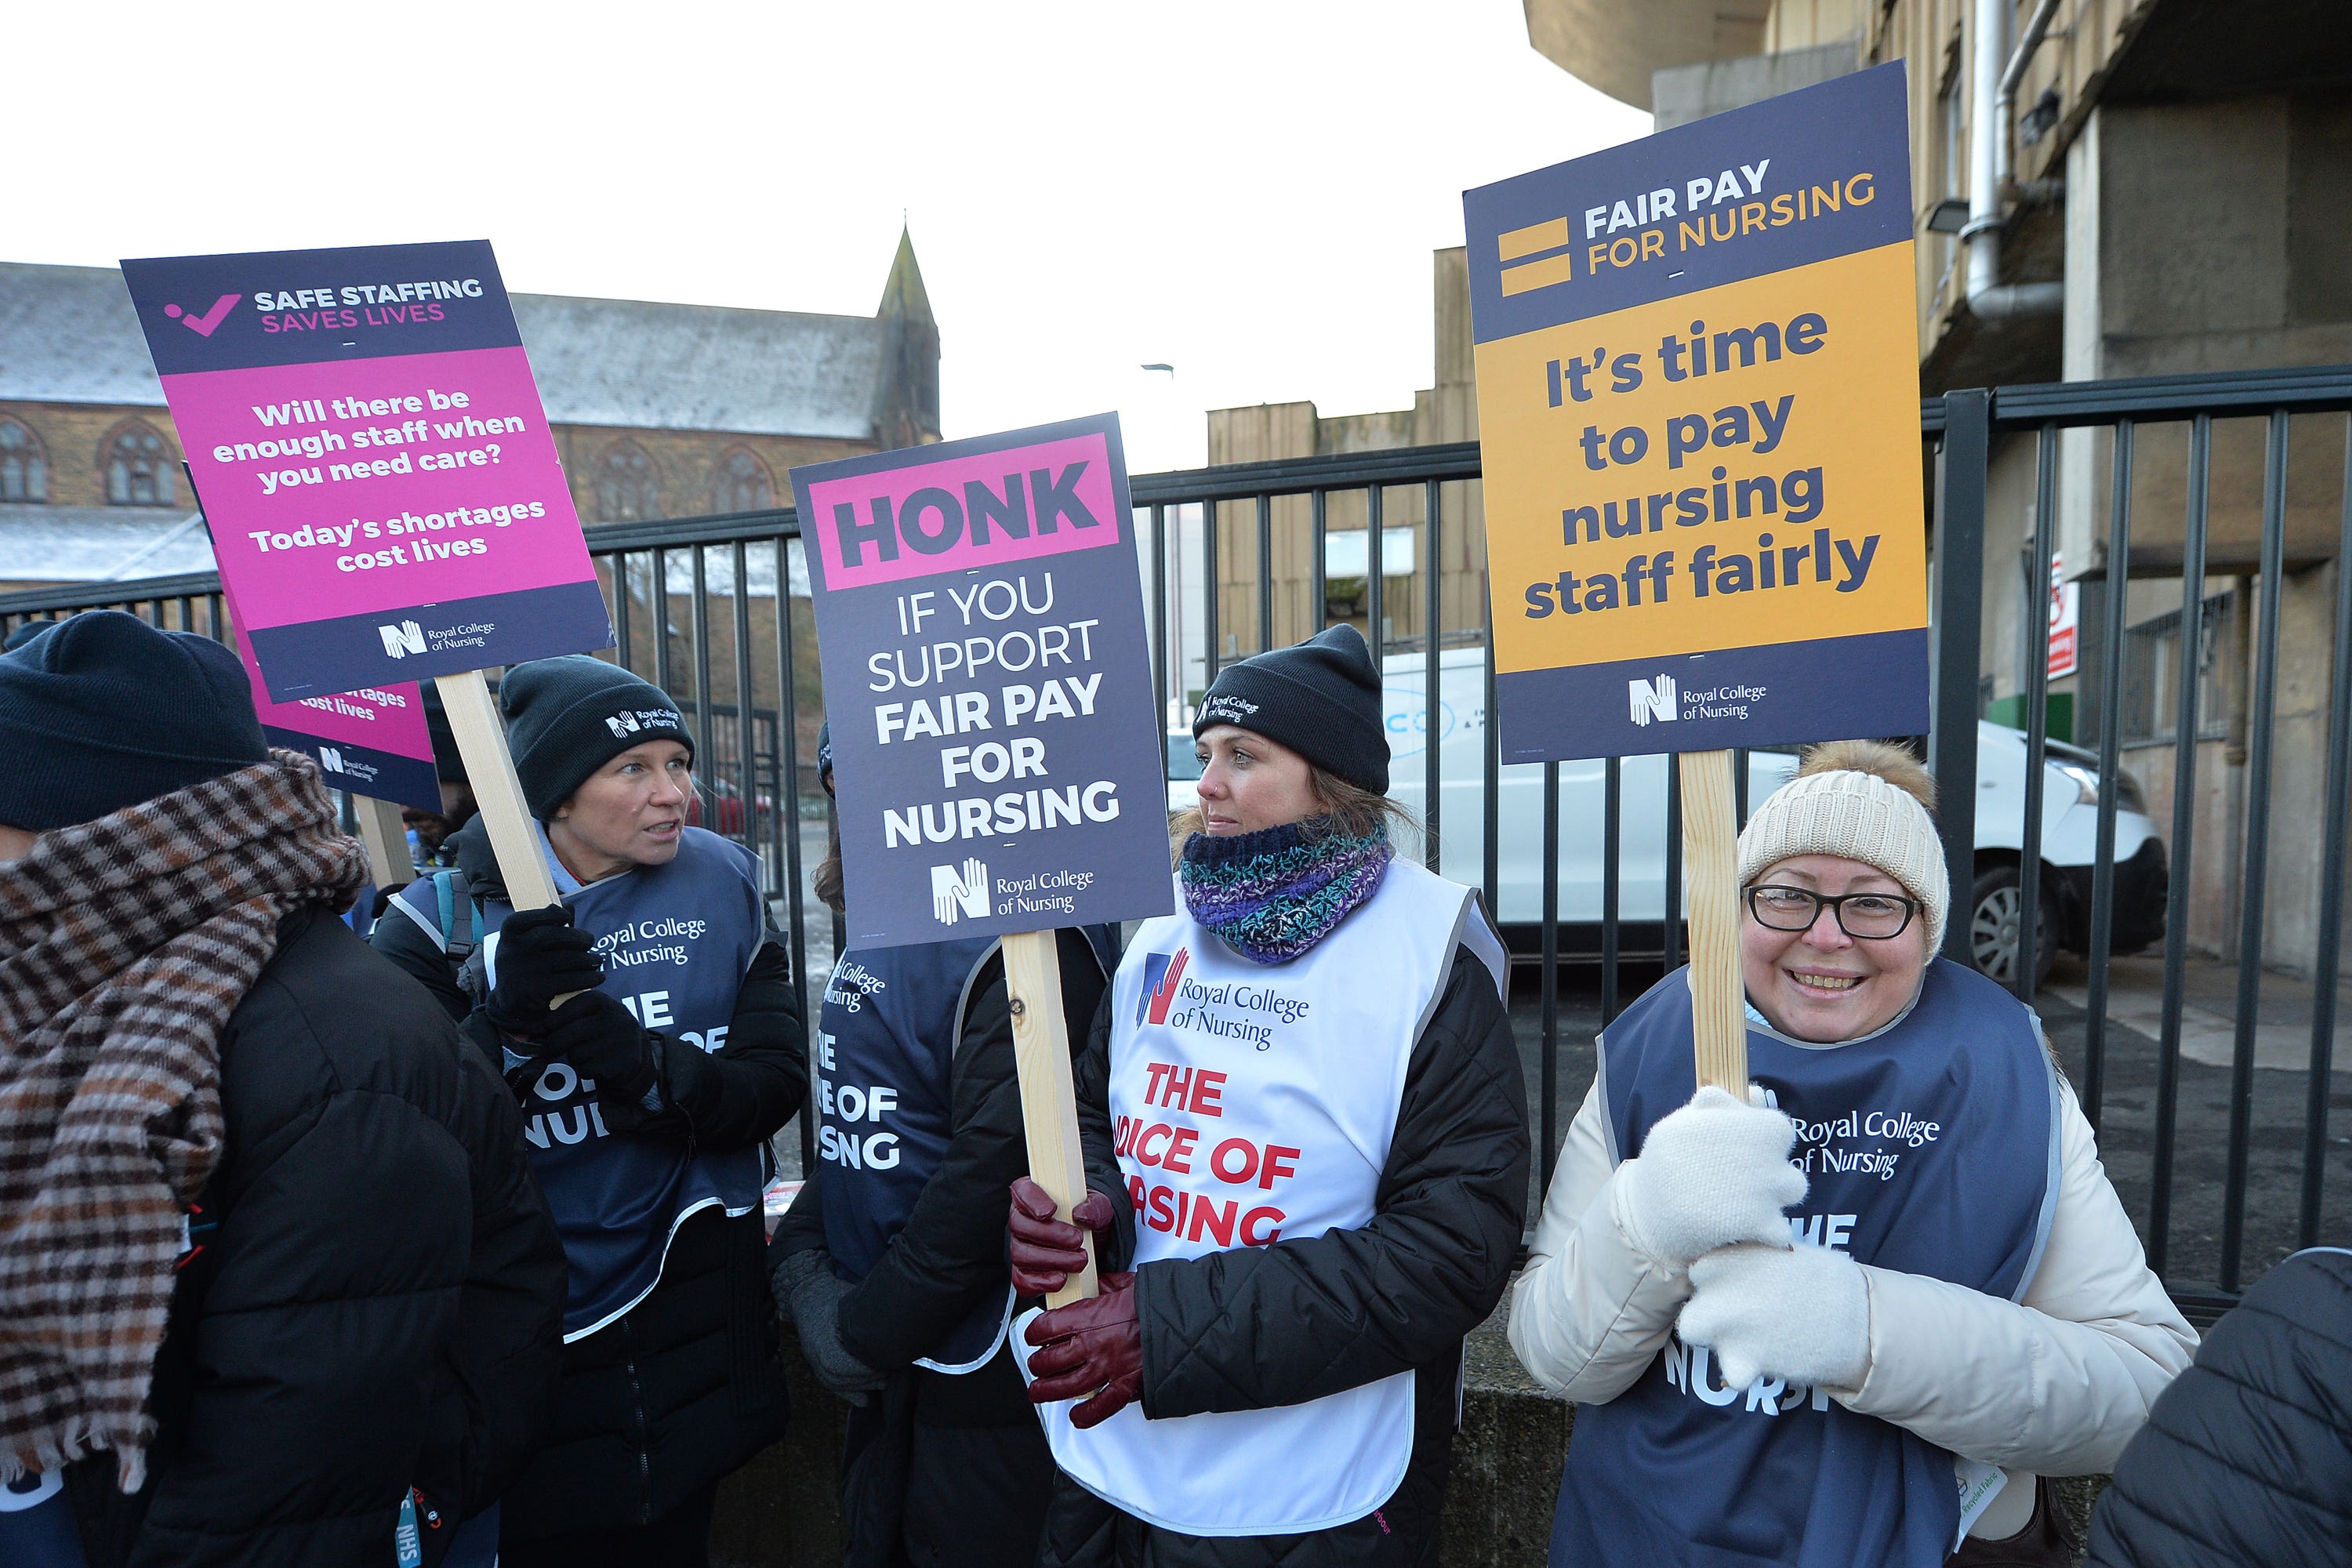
[(1697, 372), (996, 743), (376, 468), (996, 746), (372, 743), (383, 491)]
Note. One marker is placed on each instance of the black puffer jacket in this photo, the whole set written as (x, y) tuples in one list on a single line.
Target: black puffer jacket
[(2246, 1460), (1257, 1327), (686, 1386), (948, 1258), (377, 1296)]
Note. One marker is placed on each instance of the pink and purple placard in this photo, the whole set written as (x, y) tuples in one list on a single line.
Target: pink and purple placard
[(371, 742), (373, 459), (996, 743)]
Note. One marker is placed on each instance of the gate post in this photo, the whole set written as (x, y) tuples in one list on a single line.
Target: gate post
[(1957, 635)]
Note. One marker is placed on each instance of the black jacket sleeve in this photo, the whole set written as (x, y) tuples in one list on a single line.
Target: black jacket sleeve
[(399, 938), (802, 1224), (740, 1093), (2247, 1458), (1092, 1076), (951, 1255), (1261, 1326)]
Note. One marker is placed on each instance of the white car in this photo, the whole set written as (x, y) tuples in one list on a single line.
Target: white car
[(2068, 839)]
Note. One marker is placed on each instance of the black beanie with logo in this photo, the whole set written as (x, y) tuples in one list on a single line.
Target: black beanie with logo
[(567, 717), (1321, 699), (101, 712)]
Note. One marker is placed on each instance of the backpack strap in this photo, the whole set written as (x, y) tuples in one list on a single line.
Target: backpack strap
[(460, 920)]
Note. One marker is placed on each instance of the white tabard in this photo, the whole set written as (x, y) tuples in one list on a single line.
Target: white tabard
[(1254, 1104)]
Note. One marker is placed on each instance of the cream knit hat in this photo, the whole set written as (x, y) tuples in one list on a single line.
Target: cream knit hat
[(1844, 801)]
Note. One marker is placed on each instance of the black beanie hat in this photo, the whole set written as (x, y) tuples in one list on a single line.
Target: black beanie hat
[(448, 766), (1320, 698), (103, 711), (824, 755), (25, 633), (567, 717)]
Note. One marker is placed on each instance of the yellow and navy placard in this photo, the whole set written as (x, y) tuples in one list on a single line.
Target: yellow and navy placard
[(1699, 395)]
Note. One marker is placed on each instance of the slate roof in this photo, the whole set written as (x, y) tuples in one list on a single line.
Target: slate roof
[(67, 335), (91, 543)]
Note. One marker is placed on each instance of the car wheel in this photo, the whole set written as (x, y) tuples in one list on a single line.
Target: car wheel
[(1993, 919)]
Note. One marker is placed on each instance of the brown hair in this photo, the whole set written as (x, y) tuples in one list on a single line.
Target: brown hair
[(1347, 808), (1876, 758)]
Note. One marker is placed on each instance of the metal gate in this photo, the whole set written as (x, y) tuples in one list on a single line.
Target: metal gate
[(2223, 1156)]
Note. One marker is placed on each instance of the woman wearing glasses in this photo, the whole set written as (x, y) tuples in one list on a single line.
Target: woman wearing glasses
[(1852, 1321)]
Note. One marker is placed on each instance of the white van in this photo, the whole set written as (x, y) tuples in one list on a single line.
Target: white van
[(2069, 829)]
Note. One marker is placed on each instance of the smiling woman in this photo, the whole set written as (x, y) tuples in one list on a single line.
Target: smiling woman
[(1952, 1227)]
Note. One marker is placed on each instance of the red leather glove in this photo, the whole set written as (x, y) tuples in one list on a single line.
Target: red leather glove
[(1044, 1251), (1094, 1346)]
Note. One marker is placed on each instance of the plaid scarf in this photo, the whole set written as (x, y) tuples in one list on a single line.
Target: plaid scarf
[(125, 943), (1272, 895)]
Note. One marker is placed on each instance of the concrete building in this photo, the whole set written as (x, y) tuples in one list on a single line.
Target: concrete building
[(1445, 412), (658, 411)]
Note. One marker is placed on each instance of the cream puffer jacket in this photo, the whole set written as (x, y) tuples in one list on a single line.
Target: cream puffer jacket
[(2053, 1385)]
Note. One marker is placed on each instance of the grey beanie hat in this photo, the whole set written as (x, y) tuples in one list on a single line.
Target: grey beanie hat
[(1861, 815)]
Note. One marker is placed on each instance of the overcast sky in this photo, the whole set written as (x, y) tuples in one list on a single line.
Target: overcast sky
[(1247, 191)]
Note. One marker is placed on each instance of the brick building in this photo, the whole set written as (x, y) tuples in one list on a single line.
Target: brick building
[(658, 411)]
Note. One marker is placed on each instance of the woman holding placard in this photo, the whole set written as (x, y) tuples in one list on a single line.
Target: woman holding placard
[(891, 1263), (1307, 1134), (648, 1096), (1955, 1303)]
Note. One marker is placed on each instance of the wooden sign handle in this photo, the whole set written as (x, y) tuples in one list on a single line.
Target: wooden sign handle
[(482, 742), (386, 837), (506, 816), (1711, 868), (1049, 1100)]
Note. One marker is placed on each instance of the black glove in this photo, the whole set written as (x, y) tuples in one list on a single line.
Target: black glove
[(601, 1041), (806, 1288), (541, 956)]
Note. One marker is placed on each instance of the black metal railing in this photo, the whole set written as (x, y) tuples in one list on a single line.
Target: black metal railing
[(2225, 1170)]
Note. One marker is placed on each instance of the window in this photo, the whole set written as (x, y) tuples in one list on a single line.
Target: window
[(626, 489), (24, 467), (741, 482), (2151, 705), (138, 467)]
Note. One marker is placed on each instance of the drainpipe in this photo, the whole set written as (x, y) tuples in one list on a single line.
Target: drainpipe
[(1993, 99)]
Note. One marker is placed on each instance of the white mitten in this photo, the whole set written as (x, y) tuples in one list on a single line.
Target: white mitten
[(1801, 1314), (1715, 1173)]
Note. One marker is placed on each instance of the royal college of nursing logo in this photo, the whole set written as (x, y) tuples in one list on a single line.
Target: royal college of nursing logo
[(1652, 699), (400, 641), (1162, 972), (957, 892)]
